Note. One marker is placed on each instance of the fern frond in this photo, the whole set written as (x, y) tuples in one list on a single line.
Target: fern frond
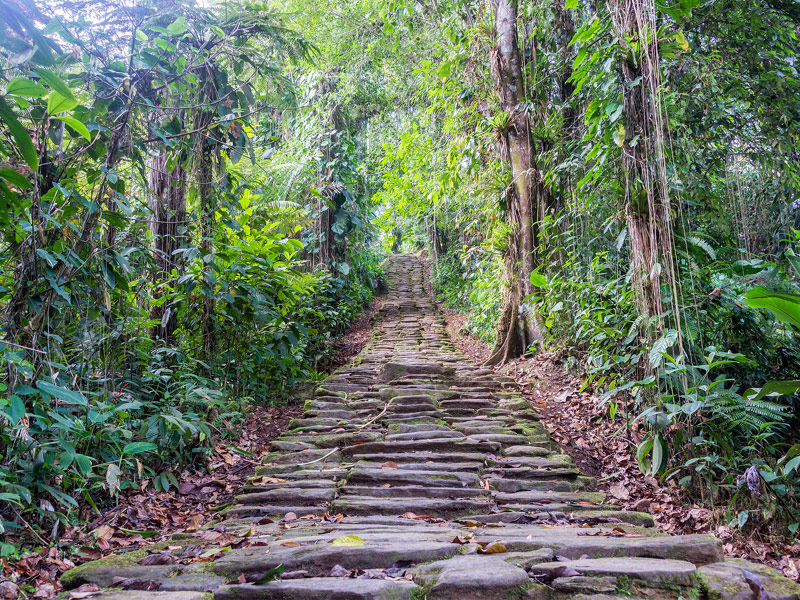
[(699, 242)]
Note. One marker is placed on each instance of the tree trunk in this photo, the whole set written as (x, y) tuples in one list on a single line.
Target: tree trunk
[(646, 200), (517, 321), (204, 170), (168, 205)]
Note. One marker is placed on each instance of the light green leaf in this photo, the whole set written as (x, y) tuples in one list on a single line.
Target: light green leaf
[(659, 454), (538, 280), (84, 463), (55, 83), (22, 86), (742, 518), (57, 103), (785, 307), (348, 540), (642, 453), (571, 4), (76, 126), (794, 260), (177, 27)]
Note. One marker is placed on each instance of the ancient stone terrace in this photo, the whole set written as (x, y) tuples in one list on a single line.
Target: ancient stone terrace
[(416, 474)]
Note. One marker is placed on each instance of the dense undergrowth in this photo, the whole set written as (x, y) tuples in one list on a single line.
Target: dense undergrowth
[(181, 242)]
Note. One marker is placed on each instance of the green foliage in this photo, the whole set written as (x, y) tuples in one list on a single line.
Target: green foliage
[(147, 304)]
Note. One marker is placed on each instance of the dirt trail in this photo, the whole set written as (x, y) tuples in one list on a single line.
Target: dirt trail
[(416, 474)]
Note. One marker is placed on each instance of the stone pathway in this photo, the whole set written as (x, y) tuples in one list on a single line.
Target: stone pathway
[(415, 474)]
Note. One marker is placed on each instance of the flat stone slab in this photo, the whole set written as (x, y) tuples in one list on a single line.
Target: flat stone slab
[(726, 581), (438, 507), (319, 559), (329, 588), (159, 595), (472, 577), (653, 571)]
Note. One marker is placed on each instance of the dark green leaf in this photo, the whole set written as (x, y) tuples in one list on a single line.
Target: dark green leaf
[(20, 135), (138, 448), (15, 178), (68, 396), (270, 575)]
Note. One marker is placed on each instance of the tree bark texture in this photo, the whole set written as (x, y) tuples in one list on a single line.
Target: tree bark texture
[(646, 200), (517, 328), (168, 206), (204, 172)]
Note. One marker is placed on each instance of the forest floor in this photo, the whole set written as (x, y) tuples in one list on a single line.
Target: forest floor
[(581, 428), (144, 516)]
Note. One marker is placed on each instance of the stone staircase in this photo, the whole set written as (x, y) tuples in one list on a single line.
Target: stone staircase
[(415, 474)]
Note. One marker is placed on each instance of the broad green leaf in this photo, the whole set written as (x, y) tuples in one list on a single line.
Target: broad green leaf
[(21, 136), (55, 83), (14, 178), (742, 518), (16, 409), (777, 388), (57, 103), (785, 307), (165, 45), (659, 454), (68, 396), (139, 447), (177, 27), (76, 126), (13, 498), (642, 452), (348, 540), (538, 280), (84, 463), (571, 4), (22, 86), (794, 260), (681, 40), (792, 465), (52, 261)]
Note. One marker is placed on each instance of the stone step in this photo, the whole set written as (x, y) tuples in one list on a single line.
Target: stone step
[(319, 587), (654, 571), (413, 491), (417, 446), (418, 476), (437, 507)]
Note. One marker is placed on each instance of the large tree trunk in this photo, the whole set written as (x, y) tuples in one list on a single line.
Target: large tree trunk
[(517, 328), (204, 169), (168, 205), (646, 201)]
